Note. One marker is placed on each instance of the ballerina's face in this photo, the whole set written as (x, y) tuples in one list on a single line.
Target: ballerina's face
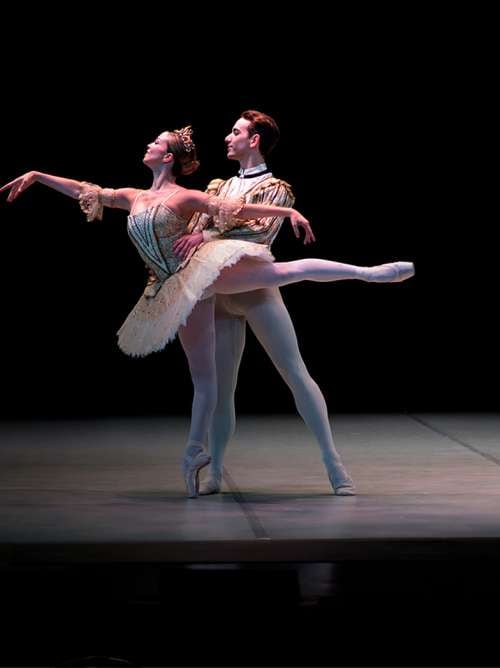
[(156, 150)]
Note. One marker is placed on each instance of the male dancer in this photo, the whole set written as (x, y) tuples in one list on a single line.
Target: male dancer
[(251, 139)]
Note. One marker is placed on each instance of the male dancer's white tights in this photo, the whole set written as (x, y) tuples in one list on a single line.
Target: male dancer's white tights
[(266, 314), (198, 341)]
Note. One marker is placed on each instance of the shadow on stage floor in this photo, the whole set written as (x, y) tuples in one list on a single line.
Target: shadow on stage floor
[(101, 554)]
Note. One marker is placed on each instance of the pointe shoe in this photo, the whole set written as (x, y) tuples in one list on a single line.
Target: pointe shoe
[(342, 484), (345, 490), (191, 467), (392, 272), (209, 486)]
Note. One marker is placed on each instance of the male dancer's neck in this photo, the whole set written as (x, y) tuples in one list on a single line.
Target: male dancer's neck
[(251, 161)]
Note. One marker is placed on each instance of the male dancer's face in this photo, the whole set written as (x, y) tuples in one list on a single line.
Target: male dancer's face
[(238, 142)]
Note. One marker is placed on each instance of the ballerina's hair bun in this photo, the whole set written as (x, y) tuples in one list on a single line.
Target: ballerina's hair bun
[(183, 147)]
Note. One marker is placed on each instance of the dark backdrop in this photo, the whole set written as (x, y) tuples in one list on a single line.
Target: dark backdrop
[(381, 122)]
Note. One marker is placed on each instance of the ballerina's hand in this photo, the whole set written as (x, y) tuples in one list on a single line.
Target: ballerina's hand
[(17, 186), (298, 221), (184, 244)]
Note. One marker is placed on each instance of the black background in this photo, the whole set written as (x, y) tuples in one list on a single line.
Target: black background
[(387, 134), (385, 139)]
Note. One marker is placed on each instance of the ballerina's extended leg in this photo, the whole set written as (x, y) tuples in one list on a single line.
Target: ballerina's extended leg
[(250, 274)]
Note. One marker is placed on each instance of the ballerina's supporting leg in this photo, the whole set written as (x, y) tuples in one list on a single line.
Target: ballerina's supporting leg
[(198, 341), (230, 342), (249, 274)]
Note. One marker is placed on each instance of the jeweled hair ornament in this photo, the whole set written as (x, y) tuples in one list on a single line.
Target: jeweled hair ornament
[(185, 135)]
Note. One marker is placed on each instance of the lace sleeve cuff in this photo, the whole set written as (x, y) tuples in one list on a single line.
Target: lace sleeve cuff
[(90, 201), (93, 199), (225, 211)]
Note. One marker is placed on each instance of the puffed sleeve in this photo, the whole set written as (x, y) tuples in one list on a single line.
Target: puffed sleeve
[(224, 212)]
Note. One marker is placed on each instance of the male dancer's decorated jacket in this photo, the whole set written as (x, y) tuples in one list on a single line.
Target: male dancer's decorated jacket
[(254, 185)]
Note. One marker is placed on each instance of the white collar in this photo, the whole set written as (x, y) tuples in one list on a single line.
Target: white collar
[(253, 171)]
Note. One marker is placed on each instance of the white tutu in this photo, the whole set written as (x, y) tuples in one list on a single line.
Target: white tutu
[(154, 321)]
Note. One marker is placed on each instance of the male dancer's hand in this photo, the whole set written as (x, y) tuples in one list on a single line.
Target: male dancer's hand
[(183, 246)]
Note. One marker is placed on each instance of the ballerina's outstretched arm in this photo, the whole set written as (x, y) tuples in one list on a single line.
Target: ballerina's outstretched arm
[(92, 197), (230, 213), (183, 246)]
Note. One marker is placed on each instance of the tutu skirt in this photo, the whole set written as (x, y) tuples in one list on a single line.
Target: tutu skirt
[(154, 321)]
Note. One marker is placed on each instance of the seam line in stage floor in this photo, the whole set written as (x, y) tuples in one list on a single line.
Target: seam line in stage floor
[(246, 508), (454, 439)]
